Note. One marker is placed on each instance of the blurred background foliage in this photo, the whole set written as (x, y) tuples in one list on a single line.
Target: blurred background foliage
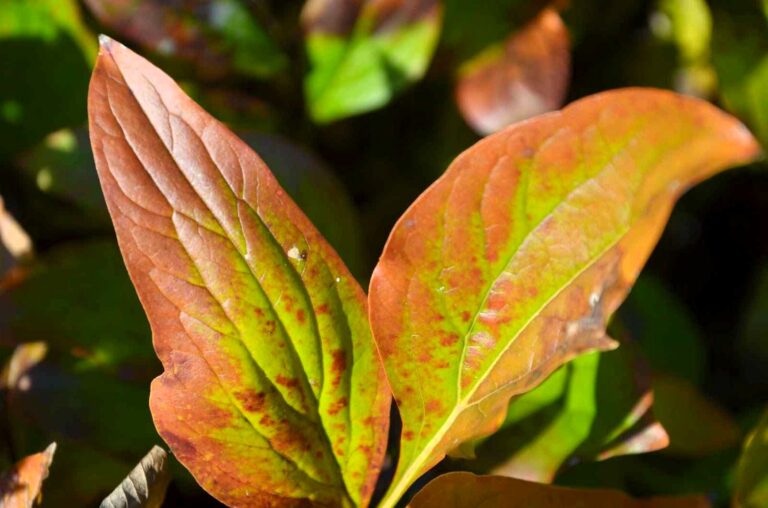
[(355, 110)]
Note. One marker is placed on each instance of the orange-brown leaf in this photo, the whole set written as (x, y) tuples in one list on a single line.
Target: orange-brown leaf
[(20, 486), (525, 76), (465, 490), (272, 391), (511, 262)]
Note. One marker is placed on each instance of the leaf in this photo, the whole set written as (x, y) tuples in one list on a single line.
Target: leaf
[(362, 52), (667, 332), (317, 191), (740, 57), (509, 265), (20, 486), (145, 485), (272, 392), (42, 43), (702, 429), (217, 36), (751, 485), (460, 490), (525, 76), (14, 241), (603, 410), (72, 296)]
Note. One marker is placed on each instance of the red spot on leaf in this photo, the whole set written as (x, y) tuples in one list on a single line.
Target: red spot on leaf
[(322, 309), (434, 406), (339, 366), (449, 339), (252, 401), (465, 316), (338, 406), (288, 382), (300, 316), (408, 435)]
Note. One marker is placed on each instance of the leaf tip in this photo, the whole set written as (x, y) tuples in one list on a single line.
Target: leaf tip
[(105, 41)]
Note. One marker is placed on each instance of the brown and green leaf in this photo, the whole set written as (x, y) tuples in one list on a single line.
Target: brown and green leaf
[(510, 264), (524, 76), (273, 392), (465, 490), (362, 52), (20, 486)]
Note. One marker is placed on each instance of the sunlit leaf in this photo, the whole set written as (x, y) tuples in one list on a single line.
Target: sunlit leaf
[(216, 36), (363, 52), (751, 488), (525, 76), (20, 487), (702, 429), (14, 241), (272, 392), (465, 490), (602, 410), (42, 42), (511, 263), (145, 485)]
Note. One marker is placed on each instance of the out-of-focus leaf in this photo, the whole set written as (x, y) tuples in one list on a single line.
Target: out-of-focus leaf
[(362, 52), (751, 488), (20, 487), (261, 329), (48, 396), (216, 36), (697, 427), (690, 28), (74, 297), (465, 490), (42, 43), (145, 485), (525, 76), (14, 241), (666, 331), (753, 346), (317, 192), (536, 231), (740, 56), (603, 410), (62, 165)]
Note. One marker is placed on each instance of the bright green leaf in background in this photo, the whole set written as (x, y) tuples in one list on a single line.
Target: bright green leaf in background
[(42, 43), (362, 53), (593, 408)]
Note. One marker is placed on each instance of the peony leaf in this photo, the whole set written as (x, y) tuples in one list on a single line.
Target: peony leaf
[(364, 51), (20, 486), (273, 392), (145, 485), (511, 263), (465, 490), (525, 76)]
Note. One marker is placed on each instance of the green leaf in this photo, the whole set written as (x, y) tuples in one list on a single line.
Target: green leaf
[(272, 390), (145, 485), (751, 488), (666, 330), (602, 410), (41, 42), (362, 54), (511, 262)]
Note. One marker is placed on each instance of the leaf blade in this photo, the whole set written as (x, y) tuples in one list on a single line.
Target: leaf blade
[(465, 489), (145, 485), (20, 486), (557, 214), (261, 329)]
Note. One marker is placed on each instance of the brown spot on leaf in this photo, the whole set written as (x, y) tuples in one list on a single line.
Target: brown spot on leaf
[(301, 316), (252, 401), (408, 435), (339, 366), (322, 309), (338, 406), (288, 382)]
